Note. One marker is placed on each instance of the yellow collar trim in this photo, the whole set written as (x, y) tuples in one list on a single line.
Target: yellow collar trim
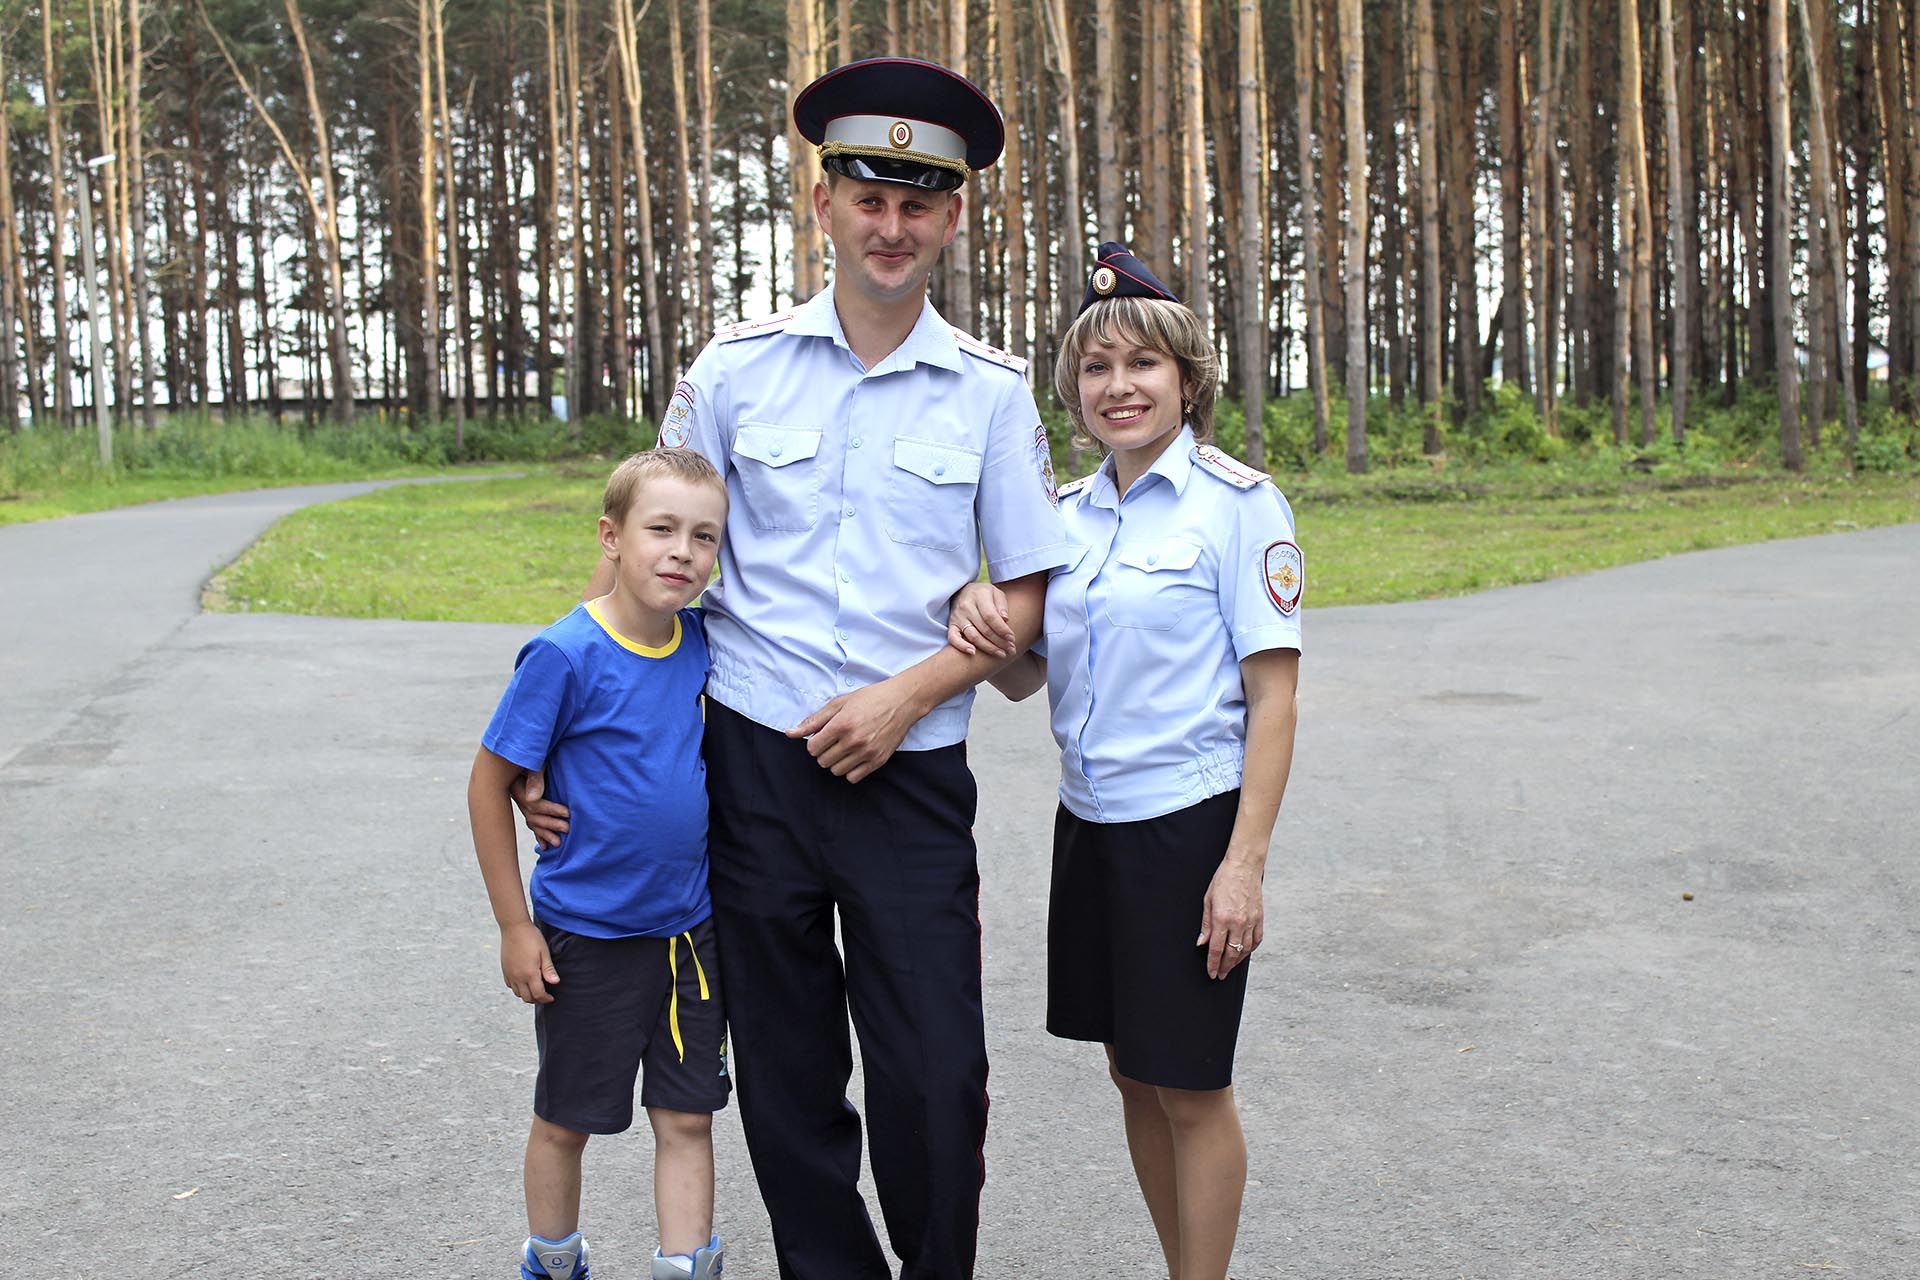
[(645, 651)]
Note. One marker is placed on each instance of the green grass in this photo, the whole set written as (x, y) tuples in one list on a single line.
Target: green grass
[(49, 472), (512, 550), (520, 550)]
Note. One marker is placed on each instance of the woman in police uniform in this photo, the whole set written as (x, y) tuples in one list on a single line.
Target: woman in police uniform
[(1170, 655)]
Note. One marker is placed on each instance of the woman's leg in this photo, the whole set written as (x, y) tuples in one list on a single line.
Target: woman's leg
[(1210, 1177), (1150, 1143)]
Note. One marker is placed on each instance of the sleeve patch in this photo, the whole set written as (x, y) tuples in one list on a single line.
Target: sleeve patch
[(679, 419), (1284, 570), (1046, 463)]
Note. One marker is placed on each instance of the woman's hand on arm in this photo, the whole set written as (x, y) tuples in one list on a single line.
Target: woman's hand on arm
[(1233, 916)]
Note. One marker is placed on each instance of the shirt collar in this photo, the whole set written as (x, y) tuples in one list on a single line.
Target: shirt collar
[(930, 341), (1175, 464)]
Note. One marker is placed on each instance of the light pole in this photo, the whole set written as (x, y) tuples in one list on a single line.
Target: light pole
[(101, 422)]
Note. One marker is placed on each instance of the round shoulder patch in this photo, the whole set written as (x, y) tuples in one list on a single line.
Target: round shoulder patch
[(674, 427), (1285, 572)]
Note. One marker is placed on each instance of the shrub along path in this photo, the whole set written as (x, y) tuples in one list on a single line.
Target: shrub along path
[(254, 1019)]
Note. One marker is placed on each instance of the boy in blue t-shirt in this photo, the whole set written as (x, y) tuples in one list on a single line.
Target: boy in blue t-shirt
[(617, 957)]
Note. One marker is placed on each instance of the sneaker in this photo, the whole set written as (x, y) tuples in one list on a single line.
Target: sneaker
[(544, 1259), (704, 1264)]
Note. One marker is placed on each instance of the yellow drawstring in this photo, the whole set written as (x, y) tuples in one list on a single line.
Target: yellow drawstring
[(673, 1002)]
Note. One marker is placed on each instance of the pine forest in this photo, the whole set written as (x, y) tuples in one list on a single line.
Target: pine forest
[(1622, 212)]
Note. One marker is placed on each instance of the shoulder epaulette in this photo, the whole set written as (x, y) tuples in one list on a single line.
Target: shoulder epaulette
[(973, 346), (1232, 470), (1072, 487), (756, 328)]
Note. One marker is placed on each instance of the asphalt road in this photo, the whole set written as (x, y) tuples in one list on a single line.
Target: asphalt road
[(252, 1022)]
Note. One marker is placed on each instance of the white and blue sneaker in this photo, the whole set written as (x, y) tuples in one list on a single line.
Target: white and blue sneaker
[(702, 1264), (544, 1259)]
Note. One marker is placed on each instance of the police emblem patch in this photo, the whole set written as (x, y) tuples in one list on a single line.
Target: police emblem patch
[(901, 135), (679, 419), (1104, 281), (1285, 572), (1046, 462)]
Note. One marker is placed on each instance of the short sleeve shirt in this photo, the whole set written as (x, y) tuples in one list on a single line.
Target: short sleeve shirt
[(616, 726), (1193, 570), (861, 500)]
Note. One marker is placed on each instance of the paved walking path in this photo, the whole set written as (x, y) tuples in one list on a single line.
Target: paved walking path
[(252, 1022)]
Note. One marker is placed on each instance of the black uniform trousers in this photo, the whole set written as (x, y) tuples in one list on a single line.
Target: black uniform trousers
[(789, 844)]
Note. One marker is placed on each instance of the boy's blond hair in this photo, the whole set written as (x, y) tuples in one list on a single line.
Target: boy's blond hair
[(1148, 322), (624, 484)]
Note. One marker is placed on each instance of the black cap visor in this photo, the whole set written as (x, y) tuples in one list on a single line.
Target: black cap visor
[(875, 169)]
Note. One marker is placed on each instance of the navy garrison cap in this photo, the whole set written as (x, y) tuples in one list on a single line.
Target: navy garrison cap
[(900, 120), (1118, 274)]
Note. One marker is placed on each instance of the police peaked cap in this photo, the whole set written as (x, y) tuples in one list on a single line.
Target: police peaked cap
[(900, 120), (1118, 274)]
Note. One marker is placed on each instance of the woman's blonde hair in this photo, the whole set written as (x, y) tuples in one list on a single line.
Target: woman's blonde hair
[(1147, 322)]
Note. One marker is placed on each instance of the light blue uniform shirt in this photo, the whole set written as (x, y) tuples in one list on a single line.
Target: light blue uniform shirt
[(861, 500), (1195, 569)]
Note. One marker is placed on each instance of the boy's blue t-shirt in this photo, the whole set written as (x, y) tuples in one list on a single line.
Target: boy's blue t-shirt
[(616, 727)]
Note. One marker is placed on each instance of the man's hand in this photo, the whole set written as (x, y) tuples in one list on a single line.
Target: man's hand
[(858, 732), (526, 964), (547, 819)]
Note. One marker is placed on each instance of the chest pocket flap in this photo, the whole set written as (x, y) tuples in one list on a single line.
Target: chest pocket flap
[(773, 445), (1166, 554), (937, 463)]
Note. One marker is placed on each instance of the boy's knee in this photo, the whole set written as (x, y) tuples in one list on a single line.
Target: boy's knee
[(558, 1137), (672, 1127)]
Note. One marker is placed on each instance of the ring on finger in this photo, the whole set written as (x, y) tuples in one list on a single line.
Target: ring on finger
[(1236, 946)]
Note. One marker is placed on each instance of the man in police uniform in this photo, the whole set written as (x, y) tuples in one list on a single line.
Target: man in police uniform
[(871, 452)]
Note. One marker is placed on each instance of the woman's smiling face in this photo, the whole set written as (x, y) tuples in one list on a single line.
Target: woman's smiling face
[(1131, 397)]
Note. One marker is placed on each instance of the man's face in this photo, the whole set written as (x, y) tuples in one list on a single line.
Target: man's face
[(886, 235)]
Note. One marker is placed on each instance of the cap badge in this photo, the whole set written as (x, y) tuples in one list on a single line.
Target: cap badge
[(901, 135), (1104, 280)]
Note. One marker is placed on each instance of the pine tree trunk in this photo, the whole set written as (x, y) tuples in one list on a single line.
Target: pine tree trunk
[(622, 364), (704, 322), (1679, 218), (1780, 234), (137, 201), (659, 370), (1633, 140), (1199, 228), (1251, 348), (429, 226), (1310, 234), (1513, 274), (1110, 212), (13, 281), (962, 307), (1460, 197), (1013, 173), (691, 259), (53, 93), (1582, 318), (1354, 87), (1824, 184), (1433, 336), (462, 380)]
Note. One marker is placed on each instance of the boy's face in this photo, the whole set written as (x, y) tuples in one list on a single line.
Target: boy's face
[(665, 547)]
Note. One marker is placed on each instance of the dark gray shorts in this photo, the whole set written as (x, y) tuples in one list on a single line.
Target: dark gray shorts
[(626, 1009)]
